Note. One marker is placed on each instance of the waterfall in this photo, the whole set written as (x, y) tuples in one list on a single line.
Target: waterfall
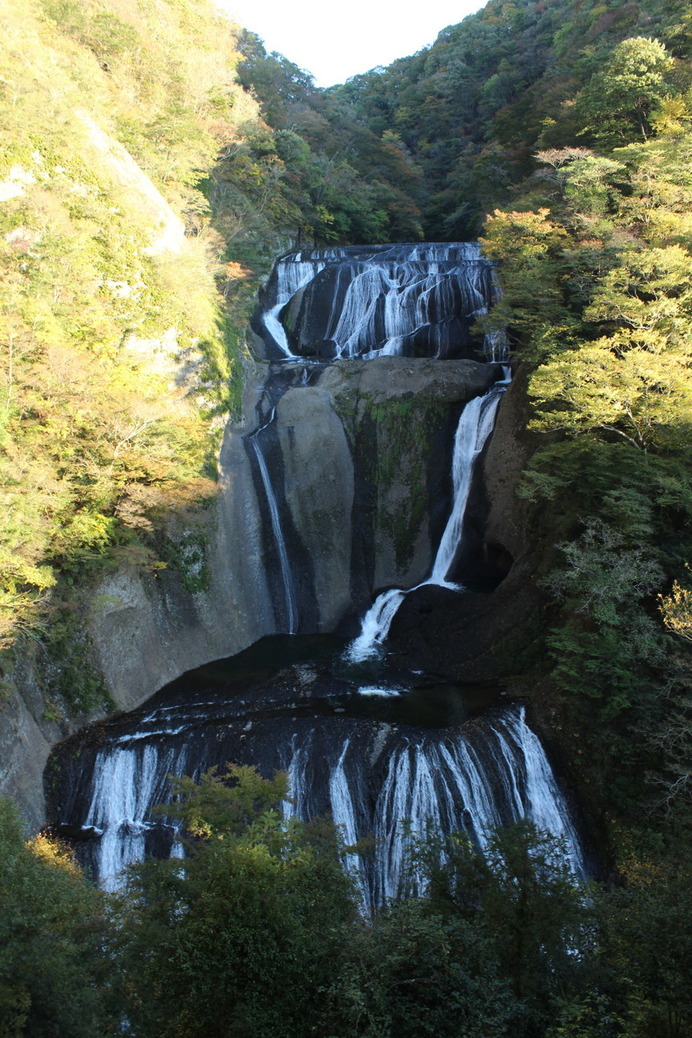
[(375, 625), (345, 750), (262, 447), (128, 781), (366, 302), (381, 781), (534, 789), (475, 426), (392, 300), (277, 531), (346, 812), (472, 784), (291, 274)]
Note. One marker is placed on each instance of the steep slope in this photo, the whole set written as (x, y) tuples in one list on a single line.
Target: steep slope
[(471, 109)]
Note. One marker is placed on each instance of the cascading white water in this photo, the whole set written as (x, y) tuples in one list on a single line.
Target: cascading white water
[(375, 625), (279, 539), (380, 298), (471, 780), (475, 426), (345, 814), (291, 275), (342, 806), (128, 780), (409, 796), (381, 782), (539, 797), (383, 296)]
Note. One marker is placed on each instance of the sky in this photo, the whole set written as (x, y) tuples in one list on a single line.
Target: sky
[(342, 38)]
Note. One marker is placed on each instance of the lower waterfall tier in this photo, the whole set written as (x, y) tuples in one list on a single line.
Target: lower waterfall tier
[(374, 749)]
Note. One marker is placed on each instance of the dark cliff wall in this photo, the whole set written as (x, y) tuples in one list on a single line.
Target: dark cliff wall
[(489, 633)]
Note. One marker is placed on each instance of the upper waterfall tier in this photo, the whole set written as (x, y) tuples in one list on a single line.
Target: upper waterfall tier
[(376, 300)]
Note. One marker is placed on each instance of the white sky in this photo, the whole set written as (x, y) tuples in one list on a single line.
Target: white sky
[(336, 39)]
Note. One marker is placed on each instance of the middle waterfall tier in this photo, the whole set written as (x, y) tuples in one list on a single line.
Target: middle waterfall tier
[(474, 428), (352, 478)]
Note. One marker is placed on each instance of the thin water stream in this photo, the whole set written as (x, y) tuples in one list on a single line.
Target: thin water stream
[(475, 427)]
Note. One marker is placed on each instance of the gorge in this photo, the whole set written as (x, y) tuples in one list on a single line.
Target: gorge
[(358, 474), (234, 532)]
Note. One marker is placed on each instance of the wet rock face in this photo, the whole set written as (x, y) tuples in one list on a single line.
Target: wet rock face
[(405, 300), (359, 457), (319, 490), (479, 636), (371, 750)]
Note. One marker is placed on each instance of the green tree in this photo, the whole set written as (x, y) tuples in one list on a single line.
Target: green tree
[(527, 247), (55, 971), (646, 943), (242, 937), (520, 895), (617, 103), (412, 972)]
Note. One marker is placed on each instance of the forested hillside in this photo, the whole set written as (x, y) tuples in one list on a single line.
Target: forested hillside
[(143, 198), (115, 351), (473, 109)]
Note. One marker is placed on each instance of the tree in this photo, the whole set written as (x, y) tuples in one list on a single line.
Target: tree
[(617, 102), (676, 609), (413, 972), (54, 965), (646, 944), (241, 937), (527, 246), (520, 896)]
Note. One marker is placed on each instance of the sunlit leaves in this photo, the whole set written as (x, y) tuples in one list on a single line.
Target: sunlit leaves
[(649, 289), (526, 246), (612, 389), (676, 609), (618, 100), (53, 961), (643, 396), (113, 360), (219, 806)]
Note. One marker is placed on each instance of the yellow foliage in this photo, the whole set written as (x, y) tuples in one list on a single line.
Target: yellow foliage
[(509, 234), (54, 855), (676, 610), (113, 365)]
